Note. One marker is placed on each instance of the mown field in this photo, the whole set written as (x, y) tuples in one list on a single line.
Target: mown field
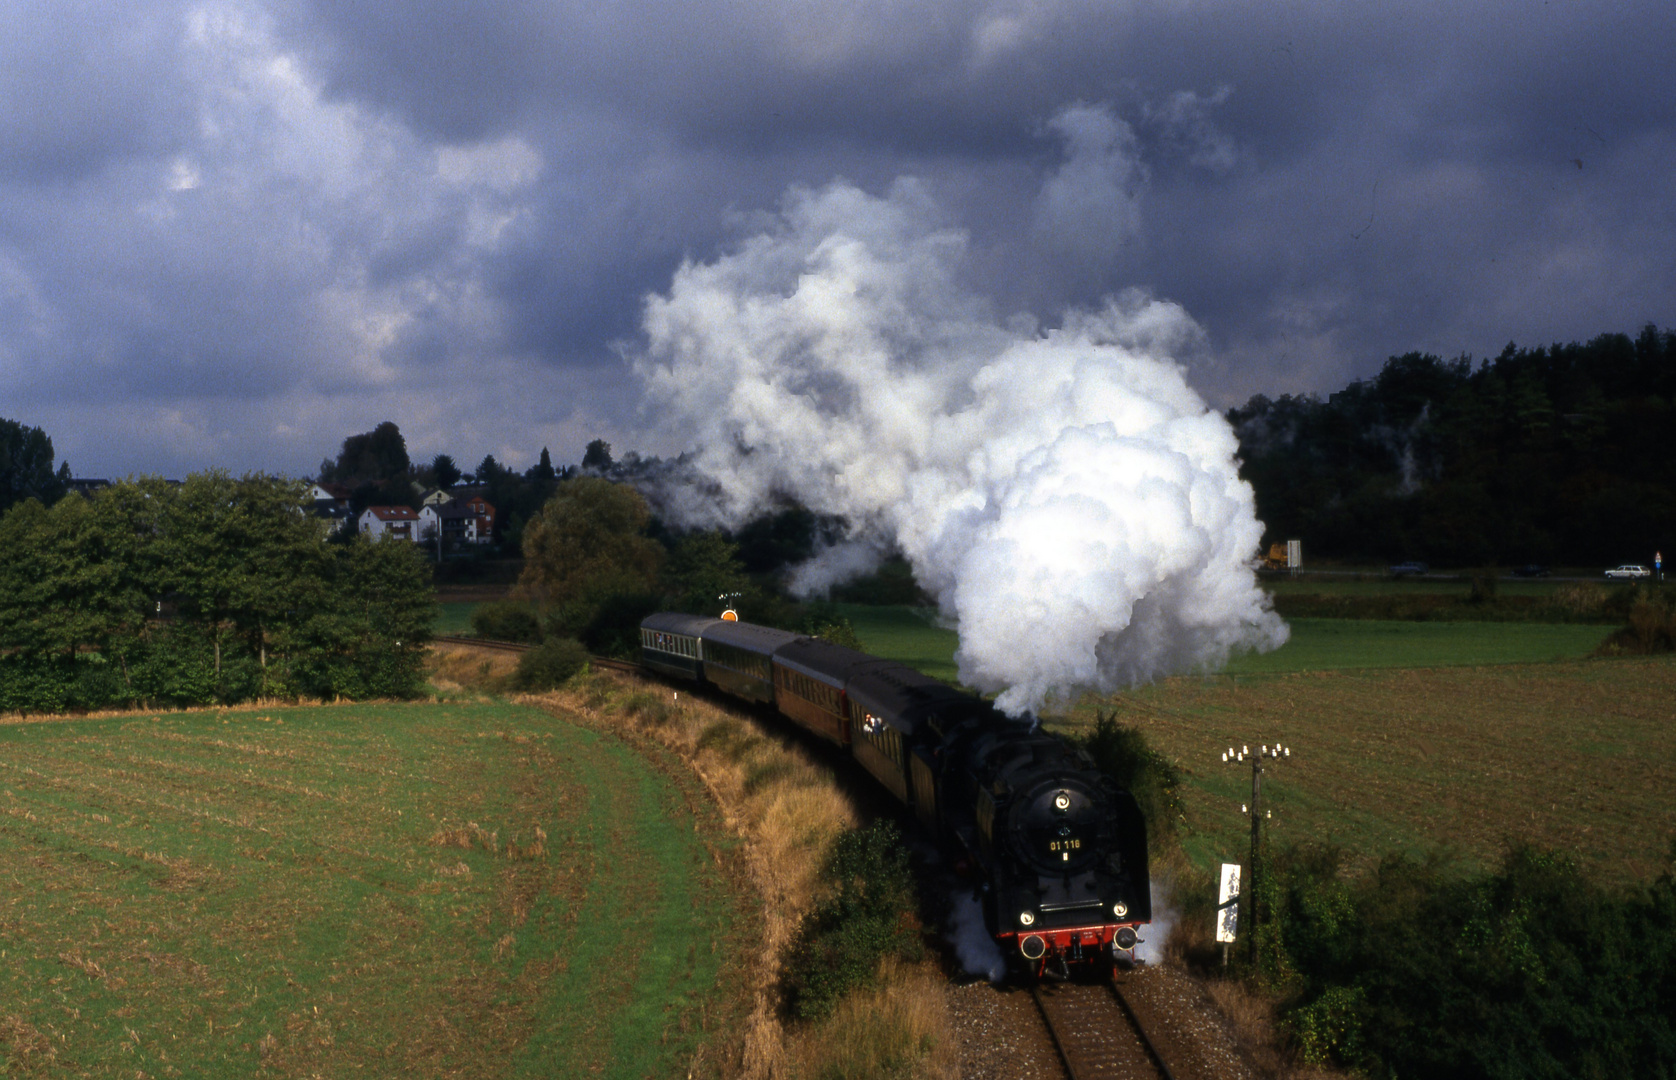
[(1576, 756), (389, 890), (1430, 738), (1333, 644)]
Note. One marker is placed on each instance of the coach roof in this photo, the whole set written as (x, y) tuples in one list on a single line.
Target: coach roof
[(748, 636), (831, 664), (671, 623)]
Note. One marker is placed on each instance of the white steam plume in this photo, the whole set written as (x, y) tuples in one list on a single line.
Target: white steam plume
[(973, 946), (1070, 501), (1157, 932)]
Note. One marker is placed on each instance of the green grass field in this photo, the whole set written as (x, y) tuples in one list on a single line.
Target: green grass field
[(1325, 585), (1419, 737), (454, 616), (1331, 644), (907, 634), (910, 635), (390, 890), (1577, 756)]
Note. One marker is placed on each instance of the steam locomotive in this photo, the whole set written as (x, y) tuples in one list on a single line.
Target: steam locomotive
[(1060, 851)]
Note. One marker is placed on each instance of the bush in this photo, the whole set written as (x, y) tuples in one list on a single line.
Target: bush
[(550, 664), (1122, 753), (821, 620), (613, 625), (892, 583), (867, 915), (1651, 625), (1531, 970), (32, 683), (506, 620)]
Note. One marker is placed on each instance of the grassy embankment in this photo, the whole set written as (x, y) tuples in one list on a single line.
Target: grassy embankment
[(788, 804), (416, 890)]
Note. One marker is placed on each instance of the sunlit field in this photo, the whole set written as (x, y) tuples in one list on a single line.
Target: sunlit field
[(1420, 737), (1577, 756), (390, 890)]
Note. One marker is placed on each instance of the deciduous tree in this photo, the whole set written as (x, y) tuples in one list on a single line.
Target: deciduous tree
[(588, 543), (26, 470)]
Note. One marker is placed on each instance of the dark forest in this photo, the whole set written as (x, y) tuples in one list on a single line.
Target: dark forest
[(1557, 455)]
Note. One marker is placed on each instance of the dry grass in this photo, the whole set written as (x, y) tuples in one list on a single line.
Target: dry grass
[(901, 1030), (457, 668), (787, 808), (25, 1047), (1252, 1017)]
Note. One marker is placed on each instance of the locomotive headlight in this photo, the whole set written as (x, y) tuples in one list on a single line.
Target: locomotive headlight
[(1027, 918), (1062, 802), (1120, 909)]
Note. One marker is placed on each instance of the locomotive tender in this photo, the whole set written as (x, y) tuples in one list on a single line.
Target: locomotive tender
[(1060, 850)]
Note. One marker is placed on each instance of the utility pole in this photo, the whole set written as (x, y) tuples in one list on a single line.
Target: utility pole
[(1248, 894)]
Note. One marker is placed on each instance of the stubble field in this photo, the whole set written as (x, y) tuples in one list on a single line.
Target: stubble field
[(412, 890), (1576, 756), (1448, 739)]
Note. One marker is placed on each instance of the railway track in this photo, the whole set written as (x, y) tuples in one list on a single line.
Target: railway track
[(519, 646), (1098, 1034), (1093, 1026), (482, 643)]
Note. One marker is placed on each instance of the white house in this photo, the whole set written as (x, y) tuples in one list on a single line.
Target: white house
[(390, 522), (331, 502), (458, 522)]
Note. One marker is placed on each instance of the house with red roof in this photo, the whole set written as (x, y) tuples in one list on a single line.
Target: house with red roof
[(390, 523)]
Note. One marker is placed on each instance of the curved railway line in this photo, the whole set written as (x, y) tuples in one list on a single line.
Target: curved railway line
[(519, 646), (1092, 1024), (485, 643)]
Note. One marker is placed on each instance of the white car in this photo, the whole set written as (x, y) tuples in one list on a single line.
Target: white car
[(1629, 570)]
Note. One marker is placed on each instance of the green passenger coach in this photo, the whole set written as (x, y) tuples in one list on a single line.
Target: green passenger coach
[(672, 643)]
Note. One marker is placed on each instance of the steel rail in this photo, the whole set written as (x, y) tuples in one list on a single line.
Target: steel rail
[(1140, 1029), (1068, 1019), (482, 643)]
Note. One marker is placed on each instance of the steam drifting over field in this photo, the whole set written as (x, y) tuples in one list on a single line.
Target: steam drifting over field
[(1070, 501)]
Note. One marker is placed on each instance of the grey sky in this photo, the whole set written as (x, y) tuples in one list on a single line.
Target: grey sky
[(232, 233)]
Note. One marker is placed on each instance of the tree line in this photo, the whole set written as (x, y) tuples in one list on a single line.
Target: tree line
[(214, 590), (1561, 454), (597, 561)]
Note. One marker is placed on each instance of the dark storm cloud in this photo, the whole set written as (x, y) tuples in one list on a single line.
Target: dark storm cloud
[(232, 232)]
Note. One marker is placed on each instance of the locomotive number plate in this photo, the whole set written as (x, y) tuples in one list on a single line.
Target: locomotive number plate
[(1064, 845)]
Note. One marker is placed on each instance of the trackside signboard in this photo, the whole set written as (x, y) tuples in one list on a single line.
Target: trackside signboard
[(1228, 903)]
